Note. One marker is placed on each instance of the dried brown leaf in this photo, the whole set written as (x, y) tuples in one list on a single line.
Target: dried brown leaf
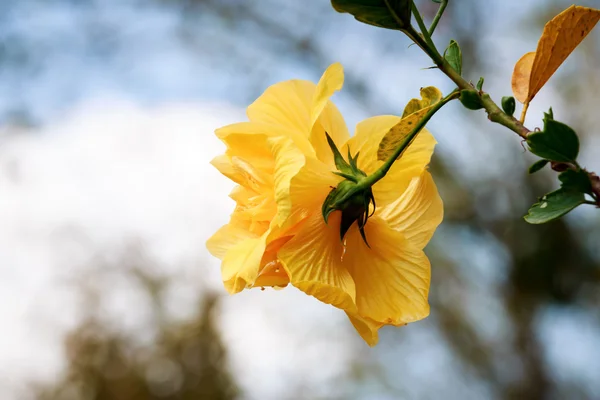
[(560, 37)]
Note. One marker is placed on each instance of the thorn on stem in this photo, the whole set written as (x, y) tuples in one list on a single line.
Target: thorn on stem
[(523, 146)]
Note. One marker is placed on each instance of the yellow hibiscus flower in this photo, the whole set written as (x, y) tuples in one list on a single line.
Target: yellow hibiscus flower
[(277, 235)]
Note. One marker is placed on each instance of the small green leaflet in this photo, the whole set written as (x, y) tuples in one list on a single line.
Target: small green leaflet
[(557, 142), (576, 181), (554, 205), (535, 167), (454, 56)]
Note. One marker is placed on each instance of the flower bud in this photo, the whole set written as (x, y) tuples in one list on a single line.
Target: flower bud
[(508, 105), (470, 99), (351, 197), (354, 202)]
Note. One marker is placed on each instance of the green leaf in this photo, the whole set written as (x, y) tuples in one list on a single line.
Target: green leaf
[(576, 181), (508, 105), (480, 84), (535, 167), (415, 111), (377, 12), (557, 142), (454, 56), (430, 96), (554, 205)]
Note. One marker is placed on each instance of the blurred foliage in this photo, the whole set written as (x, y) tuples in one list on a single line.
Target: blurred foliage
[(185, 360)]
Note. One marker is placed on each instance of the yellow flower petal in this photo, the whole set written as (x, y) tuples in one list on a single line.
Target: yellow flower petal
[(310, 187), (246, 139), (287, 104), (225, 238), (223, 164), (331, 81), (366, 140), (241, 264), (307, 192), (252, 175), (304, 108), (288, 161), (331, 122), (366, 328), (241, 195), (417, 213), (392, 277), (312, 260), (249, 138), (325, 116), (272, 272), (412, 163)]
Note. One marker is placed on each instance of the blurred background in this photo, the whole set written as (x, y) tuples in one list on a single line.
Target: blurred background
[(107, 113)]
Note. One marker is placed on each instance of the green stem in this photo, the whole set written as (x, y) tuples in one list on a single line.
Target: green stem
[(385, 167), (495, 113), (437, 17), (422, 26)]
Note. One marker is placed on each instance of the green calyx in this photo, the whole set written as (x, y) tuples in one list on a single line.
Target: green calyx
[(352, 197)]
